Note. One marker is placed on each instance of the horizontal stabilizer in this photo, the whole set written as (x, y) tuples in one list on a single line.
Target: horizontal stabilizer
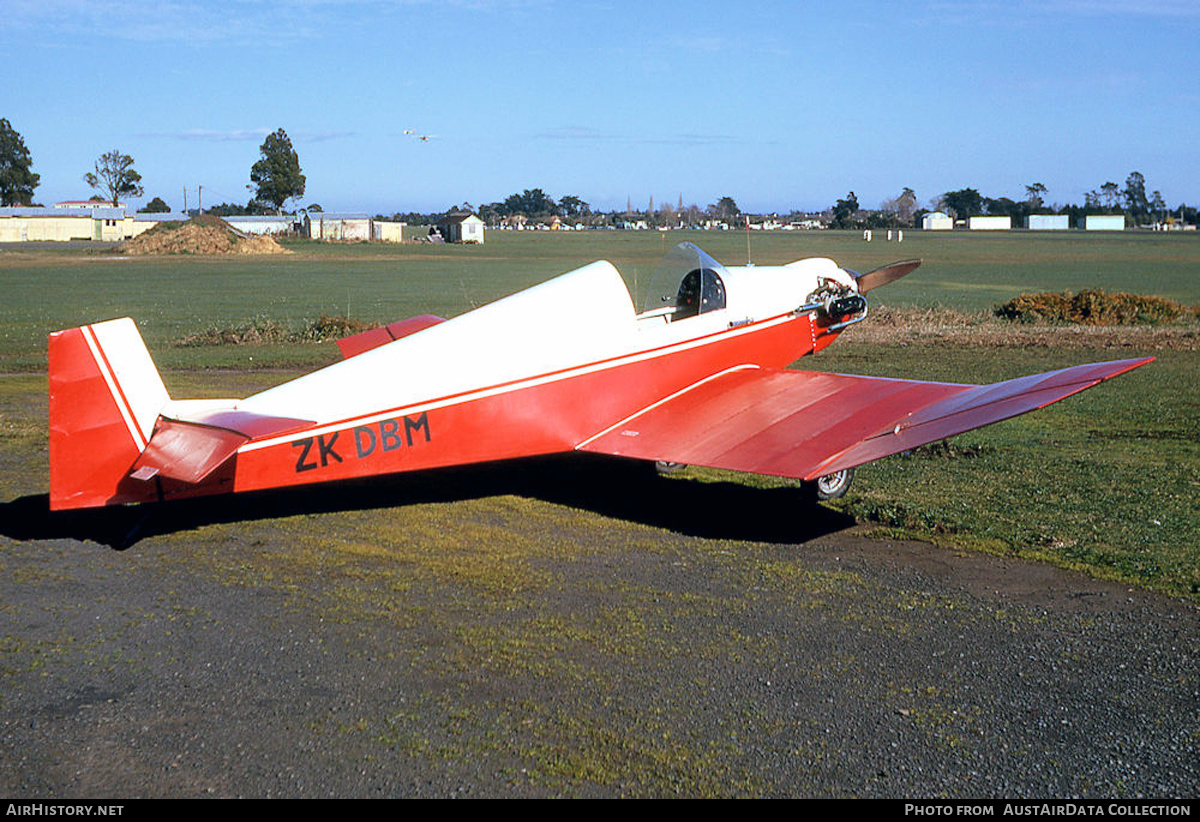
[(358, 343), (807, 424), (190, 450)]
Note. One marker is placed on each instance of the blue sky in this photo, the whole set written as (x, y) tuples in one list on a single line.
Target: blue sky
[(780, 105)]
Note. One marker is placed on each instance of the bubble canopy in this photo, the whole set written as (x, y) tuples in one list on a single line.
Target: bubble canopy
[(687, 280)]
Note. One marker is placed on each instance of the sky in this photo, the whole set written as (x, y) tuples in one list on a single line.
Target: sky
[(780, 105)]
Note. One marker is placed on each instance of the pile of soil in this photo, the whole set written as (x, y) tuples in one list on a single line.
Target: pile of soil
[(200, 235)]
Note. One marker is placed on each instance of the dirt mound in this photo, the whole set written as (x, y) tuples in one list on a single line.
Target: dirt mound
[(200, 235)]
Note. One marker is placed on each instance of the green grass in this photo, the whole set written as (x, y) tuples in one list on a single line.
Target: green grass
[(173, 297), (1108, 481)]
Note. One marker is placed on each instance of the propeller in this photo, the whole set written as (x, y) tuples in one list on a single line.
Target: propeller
[(885, 274)]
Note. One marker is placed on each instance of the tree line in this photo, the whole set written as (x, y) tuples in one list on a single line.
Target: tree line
[(904, 210), (534, 205), (276, 178)]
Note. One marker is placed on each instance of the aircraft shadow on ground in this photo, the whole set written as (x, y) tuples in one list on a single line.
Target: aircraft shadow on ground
[(623, 489)]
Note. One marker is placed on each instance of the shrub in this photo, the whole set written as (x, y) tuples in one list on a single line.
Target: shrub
[(262, 330), (1093, 307)]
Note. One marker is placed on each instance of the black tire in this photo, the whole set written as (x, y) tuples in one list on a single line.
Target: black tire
[(835, 485)]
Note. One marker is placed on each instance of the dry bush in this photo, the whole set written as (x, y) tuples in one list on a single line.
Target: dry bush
[(263, 330), (1093, 307), (328, 327), (946, 327)]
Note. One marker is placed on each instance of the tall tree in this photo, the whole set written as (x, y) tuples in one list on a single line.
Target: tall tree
[(725, 209), (17, 182), (1136, 203), (114, 175), (1111, 191), (276, 176), (903, 207), (964, 203), (1158, 206), (156, 206), (844, 212), (573, 206), (1034, 195), (532, 203)]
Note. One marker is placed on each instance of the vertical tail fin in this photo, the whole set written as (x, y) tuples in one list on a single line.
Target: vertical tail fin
[(105, 395)]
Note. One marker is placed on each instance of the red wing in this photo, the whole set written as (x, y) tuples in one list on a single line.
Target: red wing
[(807, 424), (356, 344)]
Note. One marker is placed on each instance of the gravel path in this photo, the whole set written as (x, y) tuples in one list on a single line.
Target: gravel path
[(473, 642)]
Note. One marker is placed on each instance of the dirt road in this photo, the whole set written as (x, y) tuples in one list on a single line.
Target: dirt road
[(548, 629)]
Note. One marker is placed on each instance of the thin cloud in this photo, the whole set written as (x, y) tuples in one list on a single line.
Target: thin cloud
[(165, 21), (575, 133), (693, 140), (588, 134), (213, 136), (966, 12), (242, 135), (262, 22)]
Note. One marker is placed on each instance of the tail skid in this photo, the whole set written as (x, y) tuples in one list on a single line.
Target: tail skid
[(105, 396)]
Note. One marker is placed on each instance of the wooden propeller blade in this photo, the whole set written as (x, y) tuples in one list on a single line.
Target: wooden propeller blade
[(885, 275)]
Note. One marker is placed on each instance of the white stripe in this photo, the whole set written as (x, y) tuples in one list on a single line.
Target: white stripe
[(679, 393), (93, 343), (530, 382)]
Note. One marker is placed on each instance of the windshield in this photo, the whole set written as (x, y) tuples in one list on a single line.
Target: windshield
[(687, 280)]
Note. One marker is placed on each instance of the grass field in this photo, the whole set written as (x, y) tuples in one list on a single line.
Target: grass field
[(1108, 481)]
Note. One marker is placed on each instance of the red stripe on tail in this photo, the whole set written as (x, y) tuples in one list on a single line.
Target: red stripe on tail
[(104, 397)]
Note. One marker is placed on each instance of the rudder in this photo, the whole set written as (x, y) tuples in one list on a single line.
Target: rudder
[(105, 396)]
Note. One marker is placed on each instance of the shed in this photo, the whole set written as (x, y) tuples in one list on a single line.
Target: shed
[(24, 223), (461, 227), (334, 226), (989, 223), (1048, 222), (257, 224), (1104, 222), (936, 221), (387, 231)]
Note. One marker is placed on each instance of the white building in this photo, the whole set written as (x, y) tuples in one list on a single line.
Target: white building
[(1104, 222), (332, 226), (387, 231), (989, 223), (461, 227), (36, 223), (936, 221), (257, 224), (86, 204), (1048, 222)]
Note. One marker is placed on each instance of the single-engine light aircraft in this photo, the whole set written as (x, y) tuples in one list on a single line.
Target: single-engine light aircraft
[(696, 376)]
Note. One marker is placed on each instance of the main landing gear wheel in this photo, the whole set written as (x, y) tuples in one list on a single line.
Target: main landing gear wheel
[(664, 467), (834, 486)]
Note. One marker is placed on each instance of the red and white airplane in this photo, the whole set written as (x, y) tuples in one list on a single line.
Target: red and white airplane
[(697, 377)]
